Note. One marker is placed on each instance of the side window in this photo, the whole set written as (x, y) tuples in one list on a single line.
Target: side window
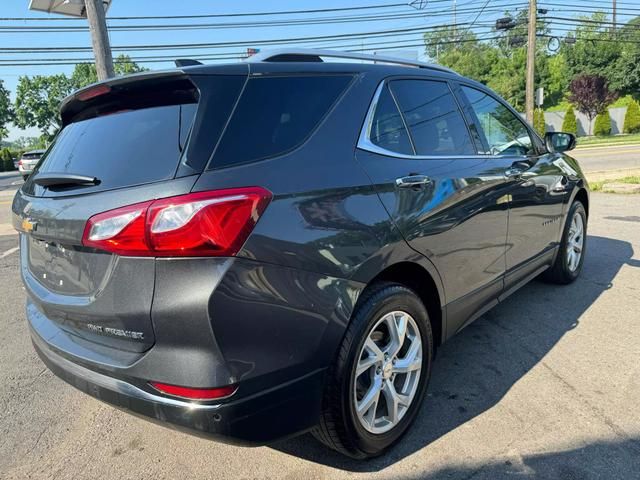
[(433, 118), (275, 115), (387, 129), (505, 133)]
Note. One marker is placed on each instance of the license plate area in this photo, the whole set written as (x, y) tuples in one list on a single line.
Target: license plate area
[(67, 269)]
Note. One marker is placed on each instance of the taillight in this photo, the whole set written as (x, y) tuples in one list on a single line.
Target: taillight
[(215, 223), (195, 393)]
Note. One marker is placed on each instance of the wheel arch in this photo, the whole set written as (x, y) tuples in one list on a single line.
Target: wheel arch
[(417, 278), (582, 195)]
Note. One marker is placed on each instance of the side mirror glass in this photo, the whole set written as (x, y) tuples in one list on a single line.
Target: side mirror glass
[(560, 141)]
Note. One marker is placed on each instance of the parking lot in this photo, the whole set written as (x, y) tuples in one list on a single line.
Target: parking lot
[(544, 386)]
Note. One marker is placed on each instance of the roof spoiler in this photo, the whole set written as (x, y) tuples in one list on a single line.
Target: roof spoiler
[(88, 97)]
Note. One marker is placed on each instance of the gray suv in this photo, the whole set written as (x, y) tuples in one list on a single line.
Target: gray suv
[(255, 250)]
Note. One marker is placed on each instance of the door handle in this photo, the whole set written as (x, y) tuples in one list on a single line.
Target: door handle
[(517, 169), (513, 172), (412, 181)]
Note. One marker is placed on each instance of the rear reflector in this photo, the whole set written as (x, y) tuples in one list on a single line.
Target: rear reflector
[(214, 223), (195, 393)]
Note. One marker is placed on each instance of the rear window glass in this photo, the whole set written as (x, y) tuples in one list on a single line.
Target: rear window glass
[(123, 149), (275, 115)]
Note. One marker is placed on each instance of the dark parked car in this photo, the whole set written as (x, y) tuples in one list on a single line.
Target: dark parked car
[(255, 250)]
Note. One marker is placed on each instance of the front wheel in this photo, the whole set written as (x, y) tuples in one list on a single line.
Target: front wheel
[(379, 378), (570, 257)]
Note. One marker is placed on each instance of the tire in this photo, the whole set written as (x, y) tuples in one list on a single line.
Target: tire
[(565, 270), (340, 426)]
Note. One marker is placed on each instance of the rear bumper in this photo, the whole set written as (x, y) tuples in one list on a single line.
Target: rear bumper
[(271, 330), (259, 419)]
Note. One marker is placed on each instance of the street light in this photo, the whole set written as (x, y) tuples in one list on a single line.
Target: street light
[(94, 11), (72, 8)]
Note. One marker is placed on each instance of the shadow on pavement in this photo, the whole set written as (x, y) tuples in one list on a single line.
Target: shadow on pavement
[(476, 368), (594, 460)]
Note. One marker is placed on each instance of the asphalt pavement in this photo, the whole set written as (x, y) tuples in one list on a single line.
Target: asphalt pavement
[(546, 385), (599, 159)]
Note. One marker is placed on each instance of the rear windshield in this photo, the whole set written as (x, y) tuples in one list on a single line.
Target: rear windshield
[(276, 115), (125, 148)]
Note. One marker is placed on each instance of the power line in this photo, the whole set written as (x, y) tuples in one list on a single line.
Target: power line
[(283, 41), (589, 8), (238, 55), (257, 24), (224, 15)]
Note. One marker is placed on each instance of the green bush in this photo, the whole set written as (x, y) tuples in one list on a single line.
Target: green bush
[(632, 118), (6, 160), (570, 124), (602, 127), (538, 121)]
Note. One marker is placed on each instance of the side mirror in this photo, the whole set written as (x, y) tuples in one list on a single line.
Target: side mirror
[(560, 141)]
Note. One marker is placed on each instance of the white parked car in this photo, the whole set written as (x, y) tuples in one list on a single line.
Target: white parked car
[(28, 161)]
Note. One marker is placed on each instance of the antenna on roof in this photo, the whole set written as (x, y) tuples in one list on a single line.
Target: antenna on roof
[(186, 62)]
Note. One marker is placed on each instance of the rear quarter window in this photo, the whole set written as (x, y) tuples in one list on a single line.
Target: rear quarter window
[(276, 115)]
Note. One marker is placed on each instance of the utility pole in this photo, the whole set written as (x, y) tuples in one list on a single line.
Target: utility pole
[(99, 38), (455, 19), (615, 16), (531, 60)]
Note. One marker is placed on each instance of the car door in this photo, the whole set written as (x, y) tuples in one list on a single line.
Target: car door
[(536, 185), (448, 202)]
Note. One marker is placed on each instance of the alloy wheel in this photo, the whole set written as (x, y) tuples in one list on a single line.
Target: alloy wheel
[(388, 372), (575, 242)]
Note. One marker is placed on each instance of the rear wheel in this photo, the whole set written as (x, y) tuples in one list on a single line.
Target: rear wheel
[(570, 257), (378, 380)]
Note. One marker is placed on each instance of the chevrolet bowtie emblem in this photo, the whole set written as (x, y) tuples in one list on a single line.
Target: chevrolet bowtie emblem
[(28, 225)]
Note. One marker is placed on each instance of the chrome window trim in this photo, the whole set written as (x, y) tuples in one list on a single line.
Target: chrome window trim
[(365, 143)]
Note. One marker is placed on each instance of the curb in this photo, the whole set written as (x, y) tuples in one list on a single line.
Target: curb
[(606, 146)]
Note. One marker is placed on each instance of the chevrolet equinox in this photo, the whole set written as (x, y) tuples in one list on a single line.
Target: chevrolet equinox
[(254, 250)]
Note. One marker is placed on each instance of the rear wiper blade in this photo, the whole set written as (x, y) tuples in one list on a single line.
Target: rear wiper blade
[(63, 179)]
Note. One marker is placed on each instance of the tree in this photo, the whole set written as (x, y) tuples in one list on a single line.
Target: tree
[(632, 118), (38, 101), (538, 121), (569, 123), (499, 63), (602, 126), (85, 73), (591, 94), (27, 143), (6, 112), (6, 160), (595, 52)]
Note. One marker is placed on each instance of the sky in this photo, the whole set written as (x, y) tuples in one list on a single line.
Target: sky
[(433, 12)]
